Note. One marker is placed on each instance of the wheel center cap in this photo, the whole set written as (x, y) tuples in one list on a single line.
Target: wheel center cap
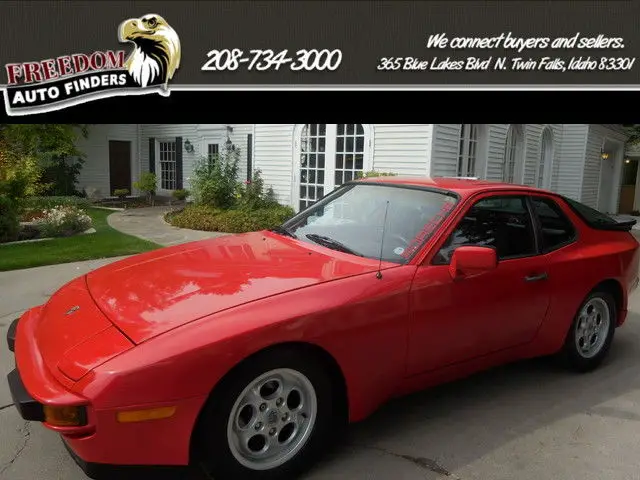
[(272, 417)]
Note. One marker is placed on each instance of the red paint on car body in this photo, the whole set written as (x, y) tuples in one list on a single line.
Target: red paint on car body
[(164, 327)]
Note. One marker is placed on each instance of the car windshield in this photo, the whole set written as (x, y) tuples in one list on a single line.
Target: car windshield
[(353, 218)]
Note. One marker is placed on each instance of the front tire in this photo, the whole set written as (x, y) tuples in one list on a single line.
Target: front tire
[(272, 418), (591, 334)]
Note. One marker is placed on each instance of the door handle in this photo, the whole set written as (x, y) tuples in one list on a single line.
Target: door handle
[(536, 278)]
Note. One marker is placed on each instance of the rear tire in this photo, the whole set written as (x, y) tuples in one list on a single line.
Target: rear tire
[(591, 334), (271, 418)]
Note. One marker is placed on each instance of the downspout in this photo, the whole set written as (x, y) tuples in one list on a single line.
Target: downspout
[(139, 138)]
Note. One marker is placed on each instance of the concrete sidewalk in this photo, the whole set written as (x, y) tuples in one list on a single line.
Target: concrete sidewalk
[(148, 223)]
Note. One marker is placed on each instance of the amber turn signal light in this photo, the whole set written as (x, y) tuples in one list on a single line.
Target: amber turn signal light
[(144, 415), (65, 416)]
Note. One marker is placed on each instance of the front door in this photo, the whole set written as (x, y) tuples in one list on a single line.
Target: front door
[(119, 165), (453, 321)]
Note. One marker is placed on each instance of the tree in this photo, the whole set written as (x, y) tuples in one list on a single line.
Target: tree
[(633, 130), (29, 151)]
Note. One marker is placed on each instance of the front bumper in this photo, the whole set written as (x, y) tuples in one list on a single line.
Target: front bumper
[(28, 407), (11, 335), (124, 448)]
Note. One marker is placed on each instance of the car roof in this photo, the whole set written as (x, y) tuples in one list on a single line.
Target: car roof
[(462, 186)]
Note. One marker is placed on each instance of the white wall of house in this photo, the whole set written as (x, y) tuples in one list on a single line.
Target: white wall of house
[(95, 172), (565, 158), (601, 179), (401, 148), (200, 136)]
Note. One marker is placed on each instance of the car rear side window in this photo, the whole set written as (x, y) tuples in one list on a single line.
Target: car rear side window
[(503, 223), (555, 228), (591, 217)]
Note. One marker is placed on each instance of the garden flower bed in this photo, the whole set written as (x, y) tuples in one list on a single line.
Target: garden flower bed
[(60, 221), (223, 204)]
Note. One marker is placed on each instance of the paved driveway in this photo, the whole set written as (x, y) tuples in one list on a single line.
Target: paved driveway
[(523, 422)]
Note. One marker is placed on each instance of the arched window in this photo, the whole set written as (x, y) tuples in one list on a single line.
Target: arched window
[(468, 150), (546, 158), (513, 153), (329, 155)]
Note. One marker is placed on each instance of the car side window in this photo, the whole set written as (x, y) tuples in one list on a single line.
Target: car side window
[(555, 228), (501, 222)]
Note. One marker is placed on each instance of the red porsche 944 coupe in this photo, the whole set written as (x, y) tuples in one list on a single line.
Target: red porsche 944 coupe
[(245, 353)]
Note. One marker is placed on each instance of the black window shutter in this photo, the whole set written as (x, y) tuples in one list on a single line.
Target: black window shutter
[(152, 155), (249, 157), (178, 163)]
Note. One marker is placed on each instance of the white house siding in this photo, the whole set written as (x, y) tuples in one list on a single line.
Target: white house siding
[(596, 135), (239, 139), (490, 151), (403, 149), (95, 171), (568, 175), (407, 149), (169, 132), (273, 156), (533, 142), (444, 149)]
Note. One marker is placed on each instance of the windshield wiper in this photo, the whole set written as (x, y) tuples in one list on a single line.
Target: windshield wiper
[(331, 243), (283, 231)]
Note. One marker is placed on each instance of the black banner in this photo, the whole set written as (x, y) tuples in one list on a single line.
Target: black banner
[(357, 43)]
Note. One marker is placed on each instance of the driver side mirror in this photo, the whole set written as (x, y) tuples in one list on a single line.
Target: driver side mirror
[(470, 261)]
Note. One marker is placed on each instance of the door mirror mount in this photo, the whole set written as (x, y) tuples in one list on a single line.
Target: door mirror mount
[(469, 261)]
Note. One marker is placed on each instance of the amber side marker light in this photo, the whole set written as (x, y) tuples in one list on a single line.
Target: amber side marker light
[(145, 415), (65, 416)]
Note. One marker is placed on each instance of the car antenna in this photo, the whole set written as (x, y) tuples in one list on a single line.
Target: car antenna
[(384, 227)]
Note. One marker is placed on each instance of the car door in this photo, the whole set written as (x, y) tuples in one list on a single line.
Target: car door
[(453, 321)]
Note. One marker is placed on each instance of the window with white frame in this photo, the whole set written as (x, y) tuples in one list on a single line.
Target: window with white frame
[(349, 152), (313, 146), (546, 158), (512, 153), (330, 155), (213, 150), (168, 164), (468, 150)]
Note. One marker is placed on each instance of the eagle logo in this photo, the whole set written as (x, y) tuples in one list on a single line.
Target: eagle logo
[(157, 50)]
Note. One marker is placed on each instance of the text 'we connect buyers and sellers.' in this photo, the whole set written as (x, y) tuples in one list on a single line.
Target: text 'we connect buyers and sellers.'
[(509, 52)]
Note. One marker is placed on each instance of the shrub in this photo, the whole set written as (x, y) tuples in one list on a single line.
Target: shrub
[(9, 222), (63, 220), (147, 185), (215, 183), (374, 173), (121, 193), (252, 194), (202, 217), (20, 177), (60, 175), (47, 203), (180, 194)]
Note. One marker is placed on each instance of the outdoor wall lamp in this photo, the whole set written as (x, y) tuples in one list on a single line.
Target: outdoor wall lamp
[(188, 146), (604, 154)]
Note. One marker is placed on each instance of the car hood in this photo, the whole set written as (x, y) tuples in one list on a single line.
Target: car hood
[(152, 293)]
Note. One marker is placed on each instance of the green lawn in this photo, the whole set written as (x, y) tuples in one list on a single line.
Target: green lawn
[(106, 242)]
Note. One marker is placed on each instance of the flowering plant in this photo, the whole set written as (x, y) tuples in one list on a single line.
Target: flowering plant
[(63, 220)]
